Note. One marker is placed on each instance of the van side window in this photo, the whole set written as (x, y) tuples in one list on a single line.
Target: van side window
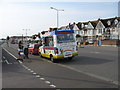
[(49, 41)]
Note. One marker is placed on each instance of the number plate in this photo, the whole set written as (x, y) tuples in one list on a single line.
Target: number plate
[(67, 54)]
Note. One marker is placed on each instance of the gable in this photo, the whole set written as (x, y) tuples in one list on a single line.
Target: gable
[(90, 26), (100, 25), (75, 27), (67, 28), (118, 25), (115, 21)]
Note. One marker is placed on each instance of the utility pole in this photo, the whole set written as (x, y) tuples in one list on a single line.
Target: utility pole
[(26, 32)]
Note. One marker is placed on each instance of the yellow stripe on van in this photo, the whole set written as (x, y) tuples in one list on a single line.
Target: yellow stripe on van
[(58, 56), (75, 54), (45, 55)]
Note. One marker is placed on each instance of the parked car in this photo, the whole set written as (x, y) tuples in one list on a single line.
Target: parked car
[(33, 48)]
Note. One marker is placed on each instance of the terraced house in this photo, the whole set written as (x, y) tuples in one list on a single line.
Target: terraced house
[(101, 29)]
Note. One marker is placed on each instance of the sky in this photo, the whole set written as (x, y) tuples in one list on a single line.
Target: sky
[(36, 15)]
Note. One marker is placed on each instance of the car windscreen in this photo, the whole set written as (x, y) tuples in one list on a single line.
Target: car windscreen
[(65, 38)]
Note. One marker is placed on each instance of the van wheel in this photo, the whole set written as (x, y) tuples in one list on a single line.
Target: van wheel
[(70, 58), (52, 59)]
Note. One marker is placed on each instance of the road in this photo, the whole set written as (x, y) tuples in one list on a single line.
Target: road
[(100, 62), (0, 67), (82, 72)]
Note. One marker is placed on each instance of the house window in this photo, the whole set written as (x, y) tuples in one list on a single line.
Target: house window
[(116, 21), (81, 32), (100, 31), (85, 32), (104, 30), (82, 25), (109, 22), (94, 32), (90, 32)]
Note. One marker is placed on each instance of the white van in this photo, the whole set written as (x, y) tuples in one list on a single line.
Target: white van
[(59, 44)]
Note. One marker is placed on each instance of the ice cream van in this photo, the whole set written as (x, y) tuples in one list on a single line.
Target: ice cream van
[(58, 44)]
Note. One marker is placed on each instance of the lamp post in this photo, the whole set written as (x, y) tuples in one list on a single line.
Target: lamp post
[(57, 15)]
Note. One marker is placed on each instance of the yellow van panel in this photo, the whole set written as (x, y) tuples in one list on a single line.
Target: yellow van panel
[(58, 56)]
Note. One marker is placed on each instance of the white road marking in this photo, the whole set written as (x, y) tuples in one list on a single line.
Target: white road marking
[(25, 67), (31, 71), (53, 86), (37, 76), (47, 82), (42, 78), (3, 57), (19, 61), (34, 73), (7, 62), (10, 53)]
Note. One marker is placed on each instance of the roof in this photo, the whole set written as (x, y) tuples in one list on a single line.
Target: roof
[(113, 23), (71, 26), (104, 21), (79, 25), (94, 23)]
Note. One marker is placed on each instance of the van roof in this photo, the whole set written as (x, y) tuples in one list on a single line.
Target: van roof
[(58, 32)]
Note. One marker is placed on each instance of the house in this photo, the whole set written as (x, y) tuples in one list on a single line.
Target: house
[(91, 31), (76, 29), (101, 29), (84, 31), (62, 28), (115, 28), (118, 29)]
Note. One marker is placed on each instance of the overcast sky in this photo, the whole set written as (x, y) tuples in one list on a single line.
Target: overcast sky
[(37, 16)]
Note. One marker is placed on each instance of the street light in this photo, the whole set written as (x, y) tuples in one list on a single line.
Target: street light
[(26, 32), (57, 15)]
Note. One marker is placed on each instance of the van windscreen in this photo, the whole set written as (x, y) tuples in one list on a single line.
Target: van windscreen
[(65, 38)]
